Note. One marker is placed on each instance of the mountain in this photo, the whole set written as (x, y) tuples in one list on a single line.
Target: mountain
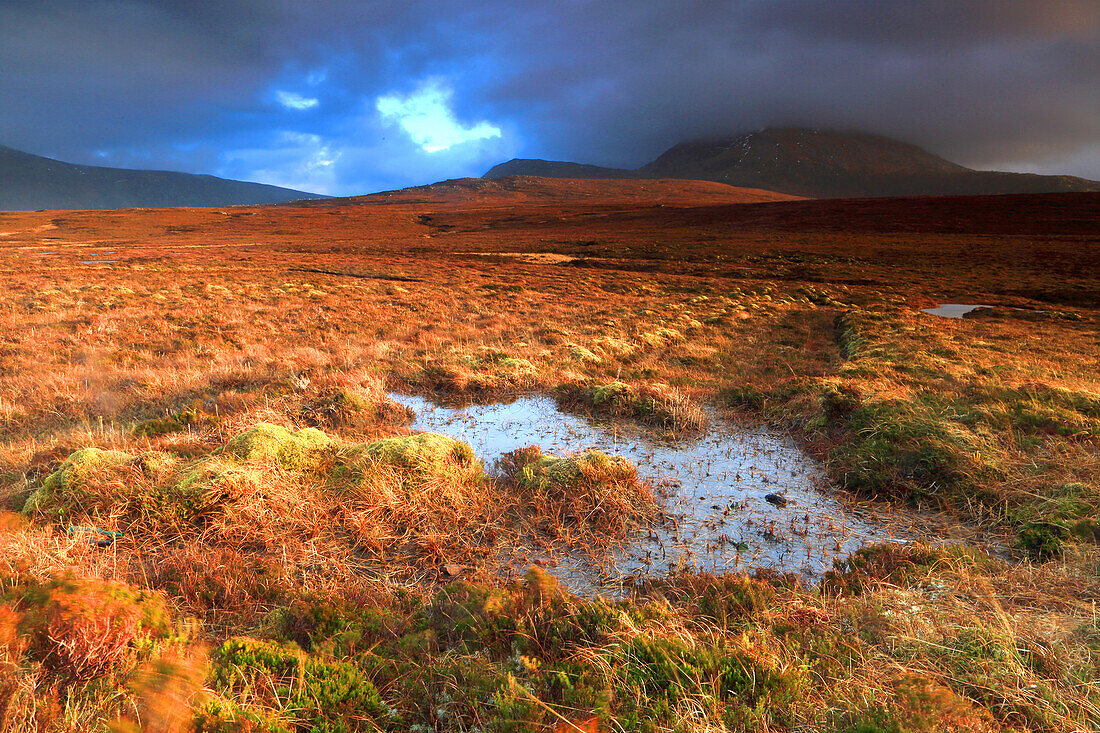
[(831, 164), (554, 169), (30, 182)]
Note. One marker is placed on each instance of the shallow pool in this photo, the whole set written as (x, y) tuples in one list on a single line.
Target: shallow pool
[(714, 487), (953, 310)]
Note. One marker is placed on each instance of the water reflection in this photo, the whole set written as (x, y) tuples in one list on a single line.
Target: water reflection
[(953, 310), (714, 487)]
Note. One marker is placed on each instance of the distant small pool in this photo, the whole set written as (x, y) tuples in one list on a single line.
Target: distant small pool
[(953, 310), (715, 484)]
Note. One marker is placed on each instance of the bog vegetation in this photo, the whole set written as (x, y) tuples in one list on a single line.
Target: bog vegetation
[(215, 518)]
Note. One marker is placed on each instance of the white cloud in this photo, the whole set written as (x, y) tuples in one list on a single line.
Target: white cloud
[(297, 160), (290, 100), (369, 150), (427, 118)]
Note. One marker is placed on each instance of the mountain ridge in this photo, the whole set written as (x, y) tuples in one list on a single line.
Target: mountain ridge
[(29, 182), (819, 164)]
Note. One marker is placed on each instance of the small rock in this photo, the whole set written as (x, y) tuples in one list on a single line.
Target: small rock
[(777, 499), (546, 562), (453, 570)]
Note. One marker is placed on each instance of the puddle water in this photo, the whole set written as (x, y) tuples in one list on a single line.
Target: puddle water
[(716, 484), (953, 310)]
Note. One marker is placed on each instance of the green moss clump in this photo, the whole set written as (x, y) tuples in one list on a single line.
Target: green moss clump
[(84, 479), (424, 454), (661, 337), (584, 355), (516, 364), (606, 394), (292, 450), (77, 467), (211, 483), (148, 487), (158, 426), (593, 468), (615, 347)]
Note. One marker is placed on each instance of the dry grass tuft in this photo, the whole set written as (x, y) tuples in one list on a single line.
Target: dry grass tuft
[(590, 497), (655, 404)]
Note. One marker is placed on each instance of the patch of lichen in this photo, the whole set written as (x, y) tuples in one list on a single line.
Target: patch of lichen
[(424, 453)]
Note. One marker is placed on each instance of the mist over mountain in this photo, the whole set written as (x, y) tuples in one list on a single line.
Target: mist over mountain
[(29, 182), (814, 163)]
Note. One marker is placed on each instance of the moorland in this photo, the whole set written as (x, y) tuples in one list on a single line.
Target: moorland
[(216, 518)]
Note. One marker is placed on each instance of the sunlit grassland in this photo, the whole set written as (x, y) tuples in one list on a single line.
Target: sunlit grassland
[(285, 543)]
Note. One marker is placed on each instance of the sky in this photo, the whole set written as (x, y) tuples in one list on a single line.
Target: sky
[(346, 97)]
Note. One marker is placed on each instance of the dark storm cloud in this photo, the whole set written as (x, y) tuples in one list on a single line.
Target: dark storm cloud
[(287, 91), (978, 80)]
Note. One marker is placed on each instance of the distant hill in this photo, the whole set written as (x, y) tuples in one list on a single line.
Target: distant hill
[(554, 169), (552, 191), (29, 182), (828, 164)]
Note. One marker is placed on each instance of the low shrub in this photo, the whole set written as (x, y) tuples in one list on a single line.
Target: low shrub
[(1043, 540), (286, 688), (82, 629)]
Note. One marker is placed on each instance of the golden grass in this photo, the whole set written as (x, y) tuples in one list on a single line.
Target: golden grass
[(803, 314)]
